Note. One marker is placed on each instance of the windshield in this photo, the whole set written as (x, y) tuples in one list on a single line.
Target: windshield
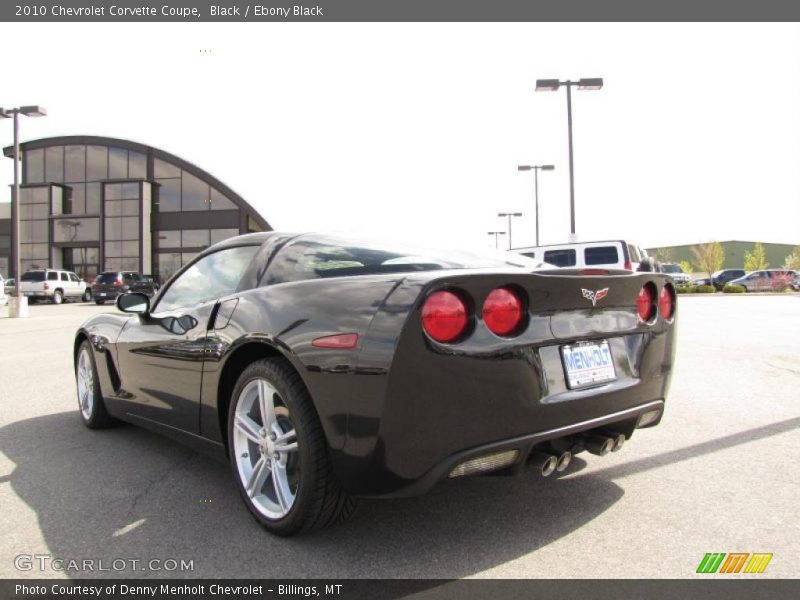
[(319, 257), (33, 276)]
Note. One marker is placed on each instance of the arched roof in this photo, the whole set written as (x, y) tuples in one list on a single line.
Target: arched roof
[(95, 140)]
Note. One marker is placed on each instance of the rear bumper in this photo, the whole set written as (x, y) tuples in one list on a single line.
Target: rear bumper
[(624, 421)]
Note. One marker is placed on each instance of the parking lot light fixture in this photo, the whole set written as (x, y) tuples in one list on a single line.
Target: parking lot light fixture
[(509, 215), (536, 169), (495, 234), (17, 307), (552, 85)]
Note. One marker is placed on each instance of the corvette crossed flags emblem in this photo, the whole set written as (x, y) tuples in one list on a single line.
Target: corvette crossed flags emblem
[(595, 297)]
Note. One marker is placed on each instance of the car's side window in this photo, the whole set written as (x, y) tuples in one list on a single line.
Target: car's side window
[(52, 276), (209, 278), (73, 277)]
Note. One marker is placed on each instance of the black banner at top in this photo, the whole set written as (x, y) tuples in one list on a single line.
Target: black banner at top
[(397, 10)]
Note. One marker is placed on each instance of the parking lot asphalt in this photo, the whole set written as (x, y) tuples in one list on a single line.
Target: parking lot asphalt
[(718, 475)]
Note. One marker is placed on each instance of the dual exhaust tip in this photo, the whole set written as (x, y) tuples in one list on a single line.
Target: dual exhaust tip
[(550, 463), (598, 444)]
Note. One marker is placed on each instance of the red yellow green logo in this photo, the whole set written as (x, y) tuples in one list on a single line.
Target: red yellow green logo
[(734, 562)]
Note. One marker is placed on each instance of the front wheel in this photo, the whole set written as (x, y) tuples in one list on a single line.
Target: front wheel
[(90, 401), (279, 454)]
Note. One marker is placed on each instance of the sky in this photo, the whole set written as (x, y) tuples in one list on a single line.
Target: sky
[(413, 132)]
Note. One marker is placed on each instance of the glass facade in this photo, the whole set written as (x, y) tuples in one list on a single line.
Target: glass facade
[(86, 204)]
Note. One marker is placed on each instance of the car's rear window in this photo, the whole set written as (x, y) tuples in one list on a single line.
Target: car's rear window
[(560, 258), (107, 278), (33, 276), (330, 256), (601, 255)]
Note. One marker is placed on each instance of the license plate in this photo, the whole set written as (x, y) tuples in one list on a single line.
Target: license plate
[(587, 363), (101, 294)]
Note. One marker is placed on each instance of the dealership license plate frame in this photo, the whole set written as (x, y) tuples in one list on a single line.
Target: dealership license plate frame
[(580, 378)]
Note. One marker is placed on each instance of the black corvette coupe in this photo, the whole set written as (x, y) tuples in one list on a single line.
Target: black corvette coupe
[(329, 369)]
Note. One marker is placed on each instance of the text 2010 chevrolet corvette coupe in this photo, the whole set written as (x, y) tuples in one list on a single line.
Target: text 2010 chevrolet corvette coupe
[(329, 369)]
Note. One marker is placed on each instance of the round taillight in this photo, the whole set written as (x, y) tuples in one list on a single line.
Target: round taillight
[(645, 303), (666, 306), (444, 316), (502, 311)]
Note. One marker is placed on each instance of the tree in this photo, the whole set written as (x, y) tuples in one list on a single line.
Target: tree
[(686, 267), (793, 260), (755, 260), (664, 255), (709, 257)]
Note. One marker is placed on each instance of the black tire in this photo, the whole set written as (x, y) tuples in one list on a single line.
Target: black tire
[(99, 302), (57, 297), (87, 295), (319, 499), (98, 417)]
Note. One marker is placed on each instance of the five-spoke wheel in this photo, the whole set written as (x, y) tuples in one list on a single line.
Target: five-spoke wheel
[(90, 401), (265, 444), (278, 452)]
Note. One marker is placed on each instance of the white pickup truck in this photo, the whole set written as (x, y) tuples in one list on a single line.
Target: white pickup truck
[(55, 285)]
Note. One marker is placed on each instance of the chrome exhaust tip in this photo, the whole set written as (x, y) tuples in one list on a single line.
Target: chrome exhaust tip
[(546, 463), (618, 442), (563, 461), (599, 445)]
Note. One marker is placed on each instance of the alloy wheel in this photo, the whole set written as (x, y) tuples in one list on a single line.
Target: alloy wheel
[(265, 447), (85, 376)]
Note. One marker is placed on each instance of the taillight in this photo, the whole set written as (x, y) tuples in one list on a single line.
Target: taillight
[(646, 303), (628, 266), (666, 305), (444, 316), (117, 282), (502, 311), (46, 286), (594, 272)]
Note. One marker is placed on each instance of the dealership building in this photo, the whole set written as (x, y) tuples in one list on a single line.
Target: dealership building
[(90, 204)]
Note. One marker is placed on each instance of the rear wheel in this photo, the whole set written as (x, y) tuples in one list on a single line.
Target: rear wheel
[(279, 454), (90, 402), (87, 295), (57, 297)]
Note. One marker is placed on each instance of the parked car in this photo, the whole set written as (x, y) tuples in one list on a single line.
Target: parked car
[(328, 368), (675, 272), (720, 278), (796, 282), (54, 285), (767, 280), (109, 285), (614, 254)]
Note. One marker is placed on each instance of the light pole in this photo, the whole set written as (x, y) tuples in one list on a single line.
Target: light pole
[(495, 234), (536, 169), (15, 304), (509, 215), (552, 85)]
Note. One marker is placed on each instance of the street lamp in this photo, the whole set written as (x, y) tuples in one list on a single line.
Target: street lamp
[(536, 169), (15, 304), (509, 215), (495, 234), (552, 85)]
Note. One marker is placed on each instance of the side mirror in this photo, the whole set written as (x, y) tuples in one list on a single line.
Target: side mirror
[(133, 302)]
